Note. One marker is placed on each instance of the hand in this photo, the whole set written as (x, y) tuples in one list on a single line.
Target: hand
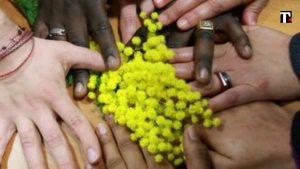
[(33, 97), (187, 13), (253, 136), (129, 18), (79, 18), (268, 75), (121, 153), (226, 27)]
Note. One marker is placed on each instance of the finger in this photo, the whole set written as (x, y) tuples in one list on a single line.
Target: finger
[(147, 6), (79, 57), (112, 156), (203, 54), (40, 27), (183, 55), (197, 156), (207, 9), (252, 11), (236, 34), (184, 70), (204, 138), (78, 35), (129, 150), (56, 18), (161, 3), (179, 38), (80, 125), (129, 20), (7, 129), (154, 165), (177, 10), (55, 141), (31, 144), (234, 96), (81, 77), (213, 88), (102, 32)]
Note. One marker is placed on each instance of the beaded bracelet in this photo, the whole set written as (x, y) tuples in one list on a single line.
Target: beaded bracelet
[(16, 41)]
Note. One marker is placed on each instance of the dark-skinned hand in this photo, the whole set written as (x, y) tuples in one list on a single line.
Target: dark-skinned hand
[(226, 28), (268, 75), (80, 18)]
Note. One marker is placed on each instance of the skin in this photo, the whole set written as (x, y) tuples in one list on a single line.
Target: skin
[(226, 28), (268, 75), (120, 152), (255, 135), (80, 18), (228, 146), (187, 13), (33, 97), (225, 25)]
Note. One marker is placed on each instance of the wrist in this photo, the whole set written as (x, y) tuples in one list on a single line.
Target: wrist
[(15, 59)]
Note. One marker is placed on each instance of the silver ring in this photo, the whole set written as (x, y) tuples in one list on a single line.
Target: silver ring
[(225, 80), (206, 25), (57, 32)]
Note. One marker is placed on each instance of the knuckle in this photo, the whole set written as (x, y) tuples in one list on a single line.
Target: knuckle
[(106, 140), (113, 163), (101, 28), (36, 165), (232, 98), (125, 145), (66, 165), (216, 6), (54, 139), (76, 120), (241, 38), (27, 138)]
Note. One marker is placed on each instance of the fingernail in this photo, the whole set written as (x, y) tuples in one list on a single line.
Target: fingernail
[(92, 156), (79, 87), (204, 75), (193, 134), (159, 2), (102, 129), (247, 51), (112, 62), (163, 18), (182, 23)]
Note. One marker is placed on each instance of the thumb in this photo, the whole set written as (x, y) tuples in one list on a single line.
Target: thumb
[(253, 10), (197, 156), (81, 58)]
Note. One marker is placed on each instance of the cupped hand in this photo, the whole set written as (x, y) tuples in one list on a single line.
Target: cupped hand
[(80, 19), (36, 94), (252, 136), (187, 13), (268, 75)]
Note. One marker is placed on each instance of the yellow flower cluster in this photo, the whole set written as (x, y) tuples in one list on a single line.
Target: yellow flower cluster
[(145, 96)]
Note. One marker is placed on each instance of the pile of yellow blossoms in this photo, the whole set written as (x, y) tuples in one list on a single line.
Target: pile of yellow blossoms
[(145, 96)]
